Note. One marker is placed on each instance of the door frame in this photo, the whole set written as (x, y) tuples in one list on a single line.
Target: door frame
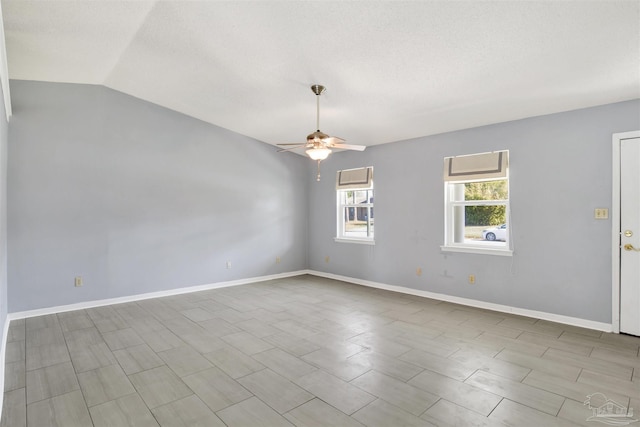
[(615, 228)]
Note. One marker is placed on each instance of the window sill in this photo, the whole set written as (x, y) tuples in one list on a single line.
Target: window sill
[(477, 250), (357, 241)]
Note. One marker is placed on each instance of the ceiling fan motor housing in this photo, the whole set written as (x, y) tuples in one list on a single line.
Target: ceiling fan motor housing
[(317, 138)]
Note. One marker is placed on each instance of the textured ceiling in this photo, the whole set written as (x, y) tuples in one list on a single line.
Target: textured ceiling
[(394, 70)]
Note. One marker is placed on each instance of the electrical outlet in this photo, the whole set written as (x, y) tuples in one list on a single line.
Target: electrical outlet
[(278, 260), (326, 259), (78, 281), (418, 271), (472, 279), (228, 265), (601, 213)]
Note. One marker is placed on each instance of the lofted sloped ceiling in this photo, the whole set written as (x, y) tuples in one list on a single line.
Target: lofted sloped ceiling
[(393, 70)]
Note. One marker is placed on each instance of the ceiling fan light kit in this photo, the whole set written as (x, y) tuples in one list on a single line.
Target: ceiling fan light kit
[(319, 144), (320, 153)]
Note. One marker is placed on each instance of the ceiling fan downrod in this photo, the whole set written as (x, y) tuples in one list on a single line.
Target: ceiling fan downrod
[(318, 90)]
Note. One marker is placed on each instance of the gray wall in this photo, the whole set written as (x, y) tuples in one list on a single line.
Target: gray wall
[(3, 213), (136, 198), (560, 170)]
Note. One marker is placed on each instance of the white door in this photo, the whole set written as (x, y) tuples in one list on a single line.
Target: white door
[(630, 236)]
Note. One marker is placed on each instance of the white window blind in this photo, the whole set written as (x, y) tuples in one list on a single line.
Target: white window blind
[(361, 179), (476, 167)]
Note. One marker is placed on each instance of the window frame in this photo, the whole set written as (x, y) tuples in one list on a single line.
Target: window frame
[(341, 206), (450, 205)]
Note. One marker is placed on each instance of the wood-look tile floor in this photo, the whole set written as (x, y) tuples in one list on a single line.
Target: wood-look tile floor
[(309, 351)]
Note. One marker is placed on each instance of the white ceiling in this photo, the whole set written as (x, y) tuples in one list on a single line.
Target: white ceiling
[(394, 70)]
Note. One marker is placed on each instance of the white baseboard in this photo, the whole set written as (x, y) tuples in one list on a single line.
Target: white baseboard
[(139, 297), (558, 318)]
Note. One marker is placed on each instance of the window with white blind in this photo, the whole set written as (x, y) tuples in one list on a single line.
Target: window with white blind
[(476, 199), (354, 191)]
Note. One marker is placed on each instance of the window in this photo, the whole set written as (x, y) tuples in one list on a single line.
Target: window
[(354, 189), (476, 197)]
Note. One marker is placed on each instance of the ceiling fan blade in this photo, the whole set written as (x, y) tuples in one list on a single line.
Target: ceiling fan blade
[(333, 140), (295, 143), (292, 148), (350, 147)]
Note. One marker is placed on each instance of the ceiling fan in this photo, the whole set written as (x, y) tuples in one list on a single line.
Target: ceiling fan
[(319, 144)]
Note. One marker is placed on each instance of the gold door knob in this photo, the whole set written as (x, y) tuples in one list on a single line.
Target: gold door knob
[(629, 247), (628, 233)]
